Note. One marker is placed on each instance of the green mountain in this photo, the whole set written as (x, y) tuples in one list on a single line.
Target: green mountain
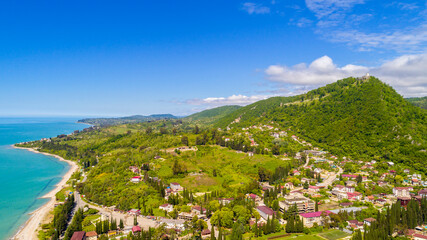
[(419, 102), (126, 120), (359, 118), (211, 115)]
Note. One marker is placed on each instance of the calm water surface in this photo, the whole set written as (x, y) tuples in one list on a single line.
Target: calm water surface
[(26, 176)]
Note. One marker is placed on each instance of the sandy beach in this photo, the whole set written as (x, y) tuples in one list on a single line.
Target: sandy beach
[(28, 230)]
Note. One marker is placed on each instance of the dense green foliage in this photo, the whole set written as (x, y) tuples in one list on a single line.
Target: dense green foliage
[(363, 119), (419, 102), (61, 216), (211, 115)]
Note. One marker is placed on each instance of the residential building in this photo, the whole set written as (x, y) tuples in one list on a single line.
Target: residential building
[(304, 204), (225, 201), (92, 235), (315, 217), (136, 179), (135, 212), (265, 212), (172, 223), (166, 207), (176, 187), (401, 192), (81, 235), (369, 221)]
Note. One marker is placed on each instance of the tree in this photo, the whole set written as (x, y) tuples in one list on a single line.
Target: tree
[(121, 225), (213, 233), (184, 140), (135, 221), (163, 130), (316, 207), (148, 130), (196, 130), (305, 185)]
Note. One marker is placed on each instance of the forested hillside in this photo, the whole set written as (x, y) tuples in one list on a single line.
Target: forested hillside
[(419, 102), (211, 115), (362, 118)]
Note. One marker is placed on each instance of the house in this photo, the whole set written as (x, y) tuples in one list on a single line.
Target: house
[(401, 192), (81, 235), (315, 217), (135, 212), (136, 229), (380, 201), (166, 207), (175, 187), (289, 185), (303, 204), (390, 163), (265, 212), (369, 221), (206, 233), (296, 173), (355, 224), (354, 196), (172, 223), (225, 201), (423, 193), (370, 199), (407, 171), (317, 170), (198, 210), (254, 197), (92, 235), (313, 189), (136, 179)]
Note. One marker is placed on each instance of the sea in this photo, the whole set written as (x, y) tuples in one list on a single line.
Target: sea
[(26, 176)]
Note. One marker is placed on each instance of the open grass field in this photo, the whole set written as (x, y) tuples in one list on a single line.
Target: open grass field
[(334, 234)]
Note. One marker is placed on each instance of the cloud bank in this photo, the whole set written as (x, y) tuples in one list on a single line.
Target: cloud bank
[(407, 73)]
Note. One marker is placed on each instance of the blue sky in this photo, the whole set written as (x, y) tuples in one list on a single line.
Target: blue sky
[(111, 58)]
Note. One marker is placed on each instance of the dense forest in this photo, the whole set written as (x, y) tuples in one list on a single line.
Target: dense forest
[(419, 102)]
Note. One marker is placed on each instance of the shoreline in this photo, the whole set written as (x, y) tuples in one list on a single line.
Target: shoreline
[(27, 231)]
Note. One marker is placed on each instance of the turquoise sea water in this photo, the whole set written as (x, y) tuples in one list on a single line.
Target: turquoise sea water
[(26, 176)]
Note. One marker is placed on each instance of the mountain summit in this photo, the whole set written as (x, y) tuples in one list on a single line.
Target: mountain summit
[(358, 117)]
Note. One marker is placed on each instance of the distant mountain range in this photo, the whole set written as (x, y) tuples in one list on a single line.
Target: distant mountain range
[(126, 120)]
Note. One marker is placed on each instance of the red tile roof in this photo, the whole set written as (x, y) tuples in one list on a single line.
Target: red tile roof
[(78, 235), (315, 214), (265, 210), (136, 229)]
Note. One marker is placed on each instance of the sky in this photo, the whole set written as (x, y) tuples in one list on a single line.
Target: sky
[(119, 58)]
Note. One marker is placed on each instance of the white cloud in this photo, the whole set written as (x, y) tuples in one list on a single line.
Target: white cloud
[(324, 8), (407, 74), (407, 40), (231, 100), (252, 8), (320, 71)]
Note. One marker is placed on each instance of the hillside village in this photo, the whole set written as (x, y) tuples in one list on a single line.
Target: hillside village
[(322, 194)]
